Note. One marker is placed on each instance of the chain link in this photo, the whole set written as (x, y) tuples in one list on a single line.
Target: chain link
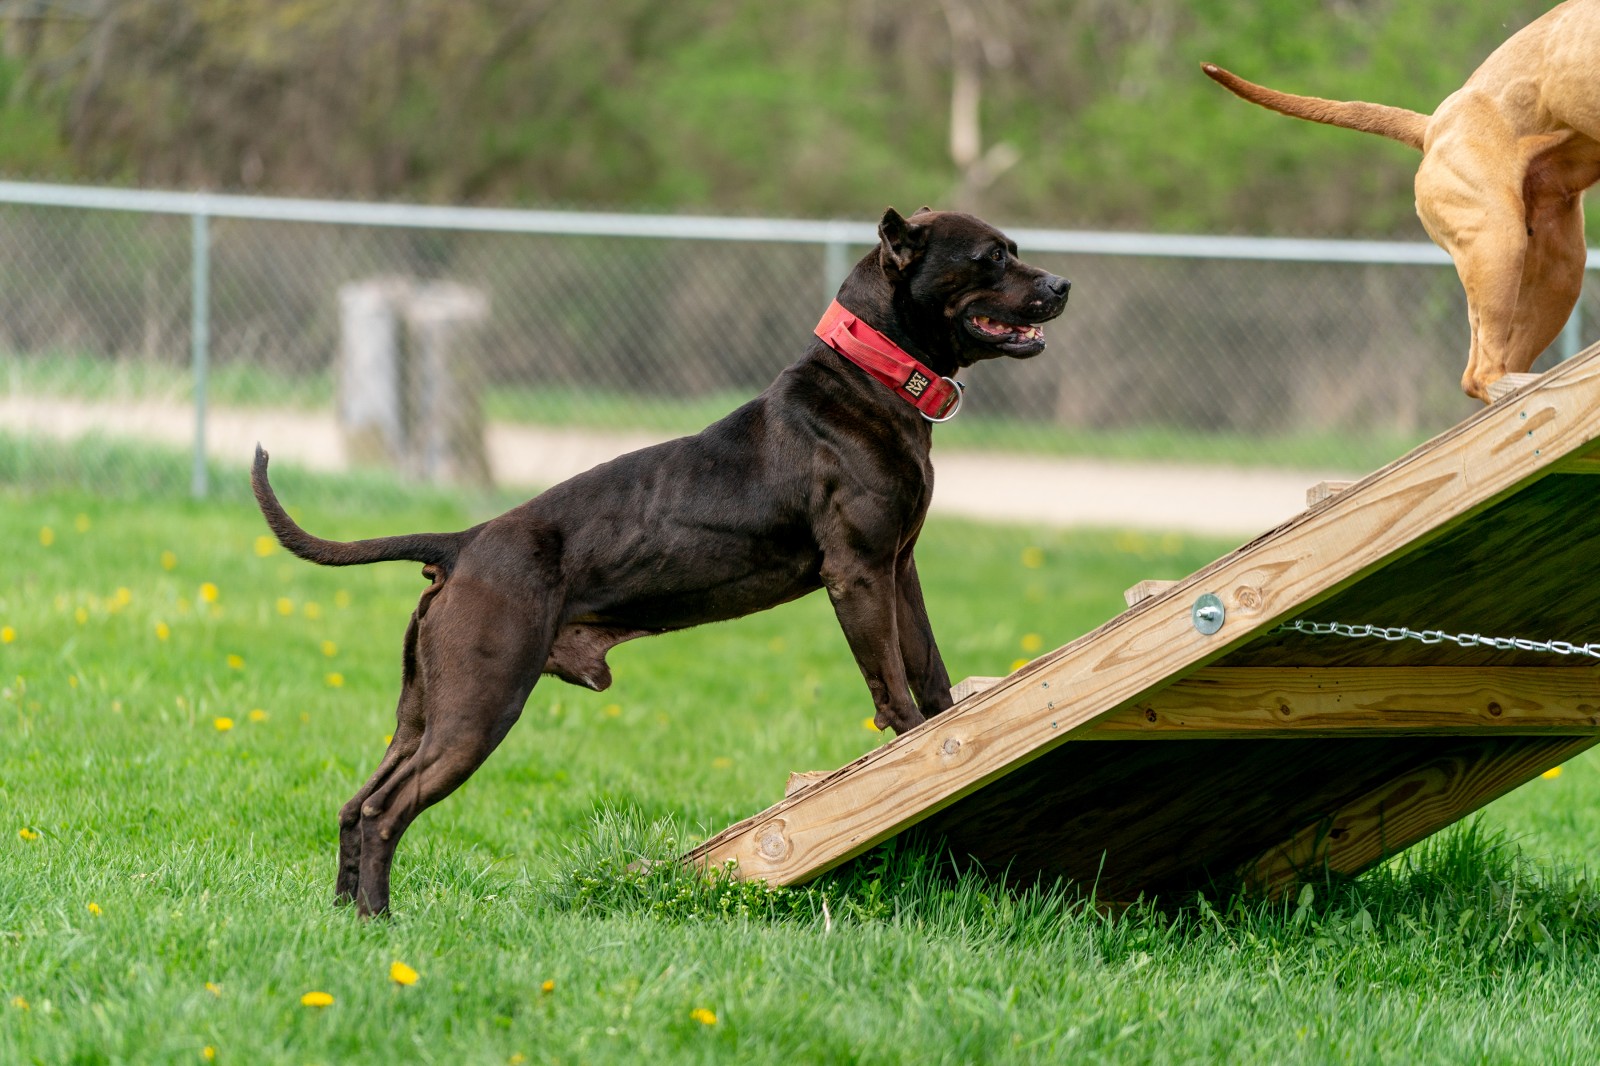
[(1439, 636)]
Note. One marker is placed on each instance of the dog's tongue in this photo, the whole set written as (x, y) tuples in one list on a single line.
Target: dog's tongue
[(1005, 329)]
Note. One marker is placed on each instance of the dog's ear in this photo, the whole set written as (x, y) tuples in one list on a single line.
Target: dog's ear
[(923, 210), (899, 241)]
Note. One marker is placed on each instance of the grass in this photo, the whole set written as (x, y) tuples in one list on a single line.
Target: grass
[(207, 852), (83, 378)]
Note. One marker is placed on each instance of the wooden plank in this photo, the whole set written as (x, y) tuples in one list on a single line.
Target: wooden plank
[(1325, 490), (1144, 590), (1383, 517), (1258, 702), (971, 686), (1508, 384), (800, 779), (1402, 811)]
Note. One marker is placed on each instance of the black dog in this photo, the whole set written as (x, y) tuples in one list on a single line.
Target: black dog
[(822, 481)]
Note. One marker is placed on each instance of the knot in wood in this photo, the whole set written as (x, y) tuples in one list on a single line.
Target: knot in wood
[(1248, 597), (771, 841), (951, 746)]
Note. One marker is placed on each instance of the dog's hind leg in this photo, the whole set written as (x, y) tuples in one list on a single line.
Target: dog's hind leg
[(479, 652)]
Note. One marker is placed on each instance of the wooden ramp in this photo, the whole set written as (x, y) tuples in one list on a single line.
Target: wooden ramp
[(1177, 746)]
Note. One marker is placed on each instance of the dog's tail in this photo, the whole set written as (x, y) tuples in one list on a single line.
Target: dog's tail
[(1395, 123), (437, 549)]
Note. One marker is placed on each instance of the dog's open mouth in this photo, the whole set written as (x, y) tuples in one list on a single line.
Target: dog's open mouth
[(1008, 336)]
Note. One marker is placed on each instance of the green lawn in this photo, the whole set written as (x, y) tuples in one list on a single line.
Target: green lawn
[(166, 883)]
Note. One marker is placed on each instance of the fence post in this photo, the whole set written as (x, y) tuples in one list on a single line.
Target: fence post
[(200, 341), (1572, 332)]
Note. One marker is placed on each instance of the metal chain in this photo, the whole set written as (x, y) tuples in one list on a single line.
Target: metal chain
[(1438, 636)]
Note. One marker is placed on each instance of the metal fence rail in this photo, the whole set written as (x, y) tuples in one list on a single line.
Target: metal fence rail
[(117, 300)]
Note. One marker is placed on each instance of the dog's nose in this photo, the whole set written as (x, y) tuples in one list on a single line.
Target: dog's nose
[(1059, 286)]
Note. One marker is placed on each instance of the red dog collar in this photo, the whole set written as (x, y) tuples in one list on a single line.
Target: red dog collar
[(938, 398)]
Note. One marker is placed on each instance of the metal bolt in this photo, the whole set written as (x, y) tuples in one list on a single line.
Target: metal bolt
[(1208, 614)]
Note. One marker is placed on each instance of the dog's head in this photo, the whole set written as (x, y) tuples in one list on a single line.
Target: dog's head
[(961, 288)]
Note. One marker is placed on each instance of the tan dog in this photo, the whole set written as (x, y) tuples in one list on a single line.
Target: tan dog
[(1505, 161)]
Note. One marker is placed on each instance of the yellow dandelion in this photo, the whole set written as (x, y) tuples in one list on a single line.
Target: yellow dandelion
[(163, 631), (7, 634), (214, 989), (722, 762), (548, 987), (72, 682), (312, 611), (1032, 642), (208, 1053), (335, 680), (223, 724), (257, 715), (265, 545), (81, 615), (870, 724), (169, 560), (1032, 557), (612, 710), (401, 974), (208, 592), (47, 536), (285, 606), (27, 834), (94, 909), (235, 662), (517, 1059), (81, 523), (19, 1003), (703, 1016), (341, 599), (329, 648), (1552, 773), (123, 596), (1018, 664), (316, 999)]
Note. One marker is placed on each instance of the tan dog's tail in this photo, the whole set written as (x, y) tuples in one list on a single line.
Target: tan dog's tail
[(1395, 123)]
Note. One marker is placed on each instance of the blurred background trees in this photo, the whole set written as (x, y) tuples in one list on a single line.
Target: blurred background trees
[(1085, 113)]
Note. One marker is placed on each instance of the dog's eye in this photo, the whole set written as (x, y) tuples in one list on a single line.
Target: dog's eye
[(997, 256)]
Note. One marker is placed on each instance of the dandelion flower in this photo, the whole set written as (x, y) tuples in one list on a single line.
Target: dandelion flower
[(81, 523), (7, 634), (329, 648), (1018, 664), (81, 615), (28, 834), (548, 987), (208, 592), (19, 1003), (122, 597), (163, 631), (612, 710), (235, 662), (869, 723), (722, 762), (169, 560), (316, 999), (285, 606), (335, 680), (47, 536), (223, 724), (214, 989), (517, 1059), (401, 974), (1032, 642), (703, 1016), (388, 738), (265, 545), (208, 1053), (1552, 773), (257, 715), (312, 611), (94, 909), (1032, 557), (341, 599)]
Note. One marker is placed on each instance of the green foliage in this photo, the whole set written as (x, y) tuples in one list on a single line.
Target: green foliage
[(828, 107)]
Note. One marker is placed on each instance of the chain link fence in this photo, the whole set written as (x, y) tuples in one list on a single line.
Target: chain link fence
[(140, 329)]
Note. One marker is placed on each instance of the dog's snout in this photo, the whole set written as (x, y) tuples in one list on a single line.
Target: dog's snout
[(1059, 286)]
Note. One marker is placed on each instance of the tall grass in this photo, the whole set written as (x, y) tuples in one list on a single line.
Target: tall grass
[(535, 903)]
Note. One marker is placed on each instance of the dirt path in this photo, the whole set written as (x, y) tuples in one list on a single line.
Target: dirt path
[(990, 486)]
